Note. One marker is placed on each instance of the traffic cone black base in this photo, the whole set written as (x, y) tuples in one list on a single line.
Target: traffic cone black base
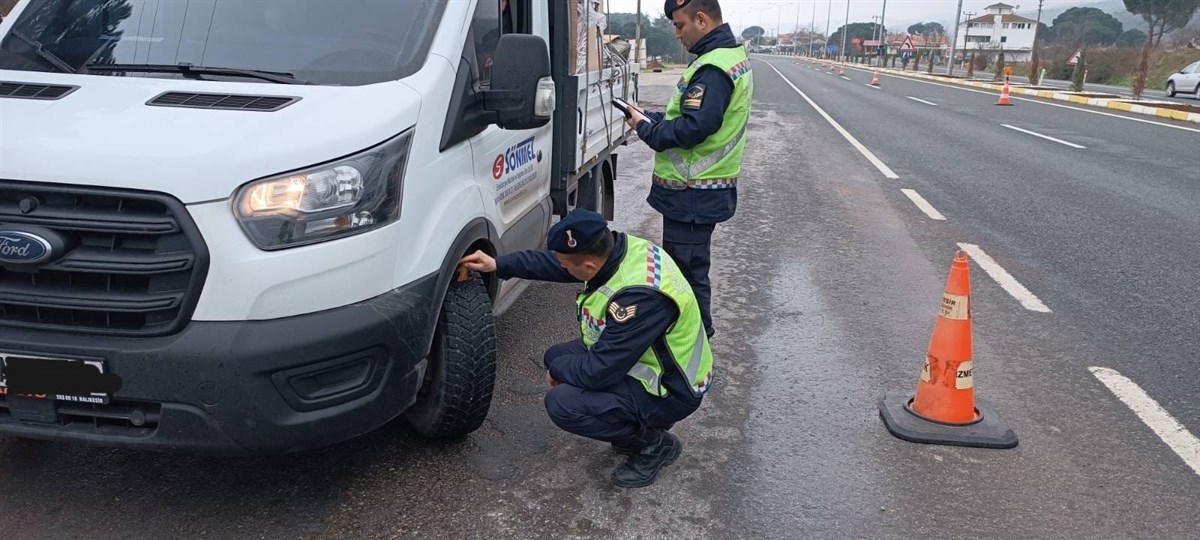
[(990, 431)]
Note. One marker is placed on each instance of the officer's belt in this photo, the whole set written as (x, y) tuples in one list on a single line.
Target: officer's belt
[(708, 183)]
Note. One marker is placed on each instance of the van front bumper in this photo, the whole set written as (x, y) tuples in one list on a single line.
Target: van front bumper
[(240, 388)]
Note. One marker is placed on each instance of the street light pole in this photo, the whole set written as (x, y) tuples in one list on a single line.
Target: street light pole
[(796, 32), (637, 36), (845, 31), (1033, 57), (883, 33), (954, 44), (828, 13), (812, 28)]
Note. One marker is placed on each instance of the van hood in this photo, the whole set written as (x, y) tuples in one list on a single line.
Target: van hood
[(105, 134)]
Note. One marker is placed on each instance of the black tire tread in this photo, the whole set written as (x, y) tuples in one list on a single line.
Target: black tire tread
[(469, 365)]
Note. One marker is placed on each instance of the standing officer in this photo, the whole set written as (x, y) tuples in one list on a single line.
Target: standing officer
[(699, 141), (643, 361)]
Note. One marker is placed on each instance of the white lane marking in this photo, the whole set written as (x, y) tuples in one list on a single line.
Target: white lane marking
[(1009, 283), (1153, 415), (921, 101), (872, 86), (923, 204), (1043, 102), (862, 149), (1047, 137), (845, 77)]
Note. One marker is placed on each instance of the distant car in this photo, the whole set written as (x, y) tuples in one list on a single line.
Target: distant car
[(1186, 81)]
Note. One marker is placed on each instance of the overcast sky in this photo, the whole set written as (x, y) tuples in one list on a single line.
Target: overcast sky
[(900, 13)]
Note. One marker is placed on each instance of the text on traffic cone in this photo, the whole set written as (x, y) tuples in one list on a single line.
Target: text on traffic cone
[(946, 388)]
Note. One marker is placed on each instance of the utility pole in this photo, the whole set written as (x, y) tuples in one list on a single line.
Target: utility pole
[(874, 31), (812, 28), (954, 44), (845, 31), (796, 32), (1033, 58), (637, 36), (883, 33), (825, 48)]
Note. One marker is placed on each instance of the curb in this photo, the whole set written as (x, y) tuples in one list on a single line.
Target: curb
[(1118, 105)]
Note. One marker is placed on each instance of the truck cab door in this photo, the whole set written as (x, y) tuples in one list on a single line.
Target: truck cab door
[(512, 166)]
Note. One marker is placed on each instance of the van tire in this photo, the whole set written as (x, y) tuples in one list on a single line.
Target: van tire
[(457, 391)]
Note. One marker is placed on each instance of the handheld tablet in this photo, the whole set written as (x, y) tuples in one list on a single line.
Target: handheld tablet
[(622, 106)]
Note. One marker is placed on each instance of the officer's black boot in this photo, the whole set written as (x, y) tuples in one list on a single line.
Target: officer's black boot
[(655, 449), (624, 449)]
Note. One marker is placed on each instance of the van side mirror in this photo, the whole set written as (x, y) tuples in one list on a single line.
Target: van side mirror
[(522, 92)]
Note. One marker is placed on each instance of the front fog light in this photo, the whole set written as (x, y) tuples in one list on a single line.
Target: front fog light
[(350, 196)]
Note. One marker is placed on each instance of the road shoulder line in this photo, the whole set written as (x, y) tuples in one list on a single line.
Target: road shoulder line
[(887, 171)]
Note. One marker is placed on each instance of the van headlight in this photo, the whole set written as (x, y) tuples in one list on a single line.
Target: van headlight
[(349, 196)]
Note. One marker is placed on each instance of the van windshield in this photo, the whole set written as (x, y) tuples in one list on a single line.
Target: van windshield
[(328, 42)]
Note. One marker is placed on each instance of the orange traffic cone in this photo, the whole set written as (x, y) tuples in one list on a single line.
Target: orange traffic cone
[(842, 71), (1004, 94), (875, 78), (944, 409), (946, 389)]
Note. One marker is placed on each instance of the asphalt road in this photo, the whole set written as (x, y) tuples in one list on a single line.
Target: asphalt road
[(826, 283)]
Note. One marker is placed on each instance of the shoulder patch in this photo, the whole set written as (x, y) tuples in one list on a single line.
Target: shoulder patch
[(622, 314), (694, 97)]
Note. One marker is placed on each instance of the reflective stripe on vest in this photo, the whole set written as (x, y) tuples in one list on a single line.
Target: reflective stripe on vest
[(705, 163), (643, 373)]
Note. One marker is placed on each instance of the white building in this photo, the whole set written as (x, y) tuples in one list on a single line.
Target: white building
[(999, 28)]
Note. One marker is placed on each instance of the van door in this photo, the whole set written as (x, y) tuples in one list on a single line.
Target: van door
[(512, 167)]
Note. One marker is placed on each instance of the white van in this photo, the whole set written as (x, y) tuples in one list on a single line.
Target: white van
[(233, 227)]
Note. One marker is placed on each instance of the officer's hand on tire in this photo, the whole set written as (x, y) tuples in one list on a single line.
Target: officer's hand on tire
[(479, 262)]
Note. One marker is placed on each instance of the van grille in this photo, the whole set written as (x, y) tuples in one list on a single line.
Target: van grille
[(134, 265), (47, 92), (222, 101)]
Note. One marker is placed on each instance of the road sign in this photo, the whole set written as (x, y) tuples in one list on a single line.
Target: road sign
[(907, 46), (1075, 57)]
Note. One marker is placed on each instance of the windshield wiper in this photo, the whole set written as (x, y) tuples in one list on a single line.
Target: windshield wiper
[(190, 70), (45, 54)]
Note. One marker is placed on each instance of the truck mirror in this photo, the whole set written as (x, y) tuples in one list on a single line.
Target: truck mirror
[(522, 92)]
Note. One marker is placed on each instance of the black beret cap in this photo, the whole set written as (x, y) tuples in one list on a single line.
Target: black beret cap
[(576, 232), (672, 5)]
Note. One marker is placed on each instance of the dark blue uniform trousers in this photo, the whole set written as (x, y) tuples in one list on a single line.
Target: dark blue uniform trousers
[(614, 414), (689, 245)]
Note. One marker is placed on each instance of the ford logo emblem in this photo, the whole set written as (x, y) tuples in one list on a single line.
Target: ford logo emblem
[(18, 247)]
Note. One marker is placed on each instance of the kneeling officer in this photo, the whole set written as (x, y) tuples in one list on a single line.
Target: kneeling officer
[(643, 362)]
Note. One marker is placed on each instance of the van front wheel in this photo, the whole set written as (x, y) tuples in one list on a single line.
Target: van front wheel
[(457, 391)]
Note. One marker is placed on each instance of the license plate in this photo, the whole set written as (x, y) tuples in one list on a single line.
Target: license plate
[(96, 367)]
